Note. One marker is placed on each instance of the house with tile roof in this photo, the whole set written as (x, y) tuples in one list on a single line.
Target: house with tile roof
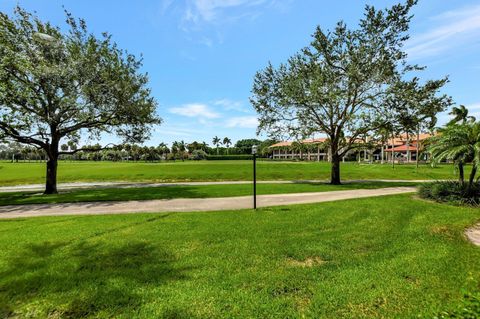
[(402, 148)]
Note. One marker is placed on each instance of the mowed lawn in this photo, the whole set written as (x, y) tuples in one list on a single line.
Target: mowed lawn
[(388, 257), (31, 173), (183, 191)]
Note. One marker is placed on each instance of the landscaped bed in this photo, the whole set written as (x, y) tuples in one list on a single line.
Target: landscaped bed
[(452, 192), (386, 257)]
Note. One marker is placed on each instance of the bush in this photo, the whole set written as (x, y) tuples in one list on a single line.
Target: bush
[(228, 157), (451, 192), (198, 155)]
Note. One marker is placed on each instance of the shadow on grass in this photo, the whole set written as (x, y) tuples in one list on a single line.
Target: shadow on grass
[(101, 195), (83, 279)]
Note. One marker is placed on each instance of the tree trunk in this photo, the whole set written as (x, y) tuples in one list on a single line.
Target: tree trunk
[(51, 177), (335, 170), (393, 153), (461, 178), (382, 154), (408, 149), (472, 177), (418, 147)]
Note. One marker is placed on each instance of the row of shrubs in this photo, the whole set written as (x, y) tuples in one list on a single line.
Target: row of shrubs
[(199, 155), (228, 157), (452, 192)]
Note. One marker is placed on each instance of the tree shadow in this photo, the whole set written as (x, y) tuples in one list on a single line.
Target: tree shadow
[(16, 202), (84, 279)]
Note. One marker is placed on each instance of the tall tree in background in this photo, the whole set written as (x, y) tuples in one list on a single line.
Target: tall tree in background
[(415, 107), (337, 84), (56, 86), (216, 141), (460, 115), (175, 149), (182, 148), (227, 142)]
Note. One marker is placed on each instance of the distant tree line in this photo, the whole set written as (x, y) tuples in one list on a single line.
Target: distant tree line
[(179, 150)]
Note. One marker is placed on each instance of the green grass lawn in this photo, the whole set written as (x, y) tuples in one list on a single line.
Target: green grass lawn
[(30, 173), (169, 192), (388, 257)]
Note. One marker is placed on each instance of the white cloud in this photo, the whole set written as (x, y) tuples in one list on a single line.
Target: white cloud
[(196, 12), (230, 105), (474, 110), (455, 29), (175, 130), (198, 110), (212, 16), (242, 122), (210, 10)]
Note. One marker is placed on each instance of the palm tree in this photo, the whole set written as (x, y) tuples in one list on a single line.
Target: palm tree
[(182, 147), (162, 149), (298, 148), (227, 142), (383, 137), (216, 141), (459, 143), (175, 146), (460, 115)]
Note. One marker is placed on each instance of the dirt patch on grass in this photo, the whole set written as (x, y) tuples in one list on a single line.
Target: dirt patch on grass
[(443, 231), (306, 263)]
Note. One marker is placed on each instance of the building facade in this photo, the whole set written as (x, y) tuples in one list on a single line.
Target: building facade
[(402, 148)]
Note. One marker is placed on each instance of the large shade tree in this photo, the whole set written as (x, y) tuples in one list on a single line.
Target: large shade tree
[(69, 85), (337, 85)]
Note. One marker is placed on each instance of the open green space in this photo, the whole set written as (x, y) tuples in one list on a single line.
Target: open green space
[(32, 173), (180, 191), (388, 257)]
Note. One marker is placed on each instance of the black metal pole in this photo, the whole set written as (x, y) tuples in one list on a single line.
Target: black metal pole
[(254, 181)]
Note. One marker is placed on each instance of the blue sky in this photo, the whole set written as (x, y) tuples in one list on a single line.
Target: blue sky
[(201, 55)]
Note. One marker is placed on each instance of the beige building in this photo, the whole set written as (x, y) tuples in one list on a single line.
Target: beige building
[(401, 148), (310, 150)]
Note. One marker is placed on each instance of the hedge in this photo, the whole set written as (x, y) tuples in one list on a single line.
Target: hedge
[(229, 157)]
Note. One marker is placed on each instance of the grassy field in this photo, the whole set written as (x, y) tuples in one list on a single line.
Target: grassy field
[(125, 194), (389, 257), (31, 173)]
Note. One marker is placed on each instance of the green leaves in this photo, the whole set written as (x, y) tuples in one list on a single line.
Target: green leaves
[(459, 143), (336, 85), (54, 85)]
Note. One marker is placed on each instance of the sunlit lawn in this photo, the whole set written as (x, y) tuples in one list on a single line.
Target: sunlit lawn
[(388, 257), (29, 173)]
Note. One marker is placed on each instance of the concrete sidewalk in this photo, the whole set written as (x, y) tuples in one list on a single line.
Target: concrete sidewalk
[(473, 234), (190, 205), (99, 185)]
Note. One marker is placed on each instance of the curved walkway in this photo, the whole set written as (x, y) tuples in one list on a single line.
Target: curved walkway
[(190, 205), (86, 185), (473, 234)]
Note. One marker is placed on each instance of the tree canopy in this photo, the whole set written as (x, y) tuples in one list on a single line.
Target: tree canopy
[(337, 85), (70, 85)]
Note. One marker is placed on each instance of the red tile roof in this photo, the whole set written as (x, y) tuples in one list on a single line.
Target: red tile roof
[(403, 148), (402, 138)]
